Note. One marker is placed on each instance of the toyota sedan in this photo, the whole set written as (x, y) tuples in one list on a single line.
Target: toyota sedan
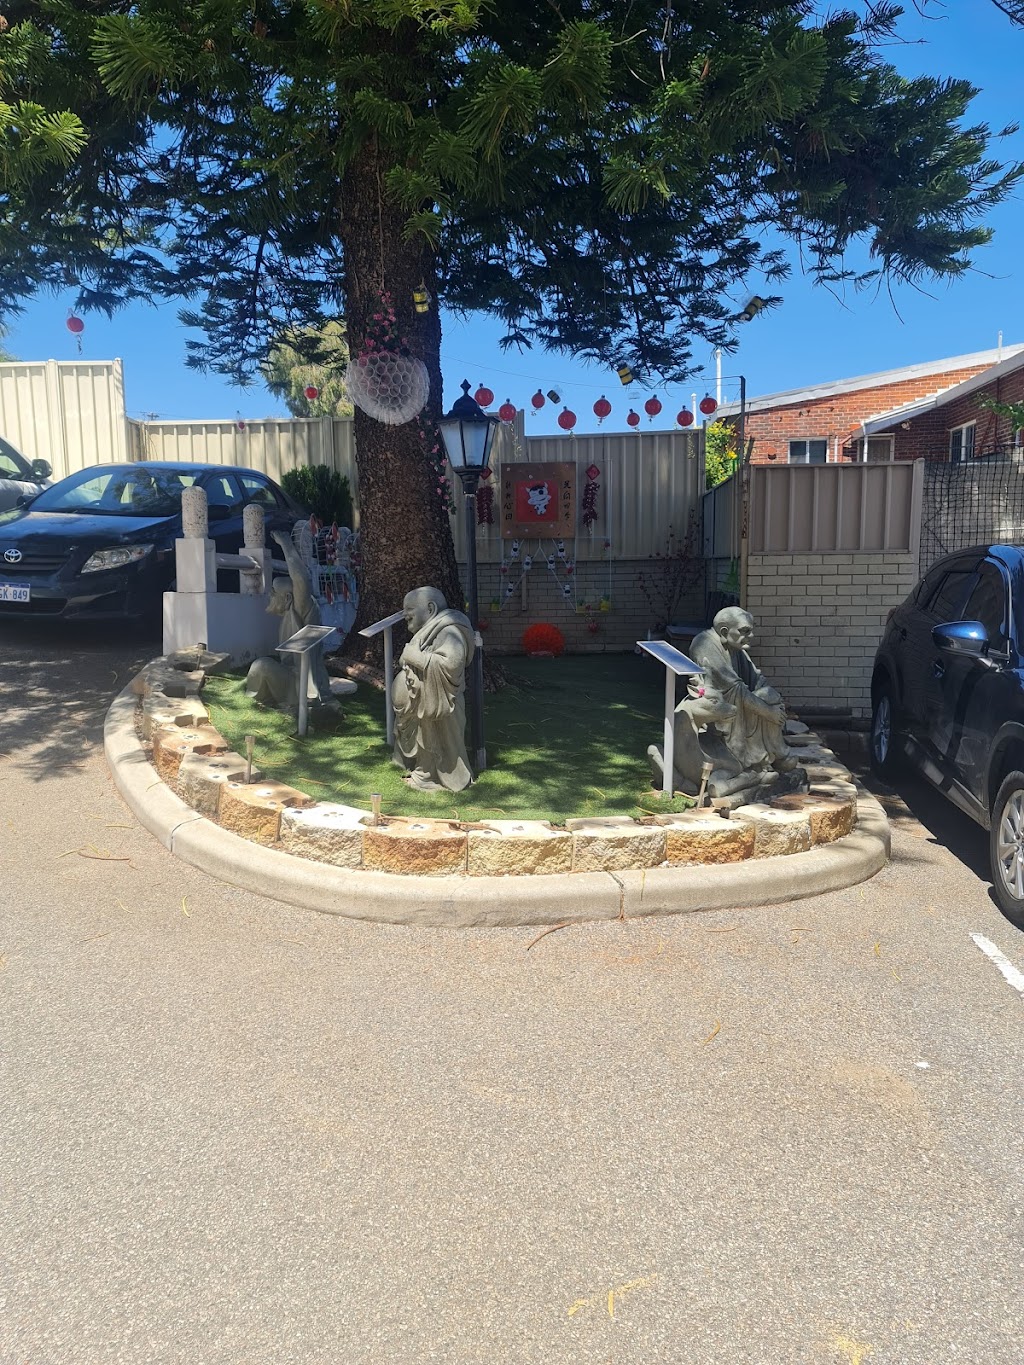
[(100, 543)]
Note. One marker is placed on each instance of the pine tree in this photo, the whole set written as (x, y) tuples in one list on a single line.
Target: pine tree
[(312, 357), (602, 177)]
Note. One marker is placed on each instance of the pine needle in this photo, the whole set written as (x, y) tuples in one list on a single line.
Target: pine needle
[(544, 932), (184, 908), (712, 1034)]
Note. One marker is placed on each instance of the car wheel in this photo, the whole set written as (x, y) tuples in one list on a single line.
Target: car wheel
[(885, 758), (1006, 847)]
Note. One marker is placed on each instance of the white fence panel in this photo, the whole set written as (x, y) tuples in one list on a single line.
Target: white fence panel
[(69, 412)]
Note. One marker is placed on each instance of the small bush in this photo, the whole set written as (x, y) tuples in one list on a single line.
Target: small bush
[(323, 490)]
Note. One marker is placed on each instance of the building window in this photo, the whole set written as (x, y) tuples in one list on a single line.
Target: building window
[(878, 450), (808, 452), (961, 443)]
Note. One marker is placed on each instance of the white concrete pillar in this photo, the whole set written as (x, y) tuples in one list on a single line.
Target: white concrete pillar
[(195, 519), (254, 528)]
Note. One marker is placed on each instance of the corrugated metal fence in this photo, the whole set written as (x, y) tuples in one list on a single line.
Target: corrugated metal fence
[(835, 508), (69, 412), (272, 446)]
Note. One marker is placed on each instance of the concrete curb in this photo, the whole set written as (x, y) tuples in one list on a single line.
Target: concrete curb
[(478, 902)]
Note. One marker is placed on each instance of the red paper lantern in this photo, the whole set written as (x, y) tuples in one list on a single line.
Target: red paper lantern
[(566, 419), (633, 418), (538, 400), (685, 418), (311, 391), (602, 408), (652, 407), (75, 325), (507, 411), (484, 396), (707, 405)]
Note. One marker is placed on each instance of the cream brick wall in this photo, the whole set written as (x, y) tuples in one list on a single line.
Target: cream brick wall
[(819, 618)]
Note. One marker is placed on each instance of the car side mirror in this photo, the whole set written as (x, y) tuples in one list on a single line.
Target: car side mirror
[(218, 512), (41, 469), (961, 637), (25, 499)]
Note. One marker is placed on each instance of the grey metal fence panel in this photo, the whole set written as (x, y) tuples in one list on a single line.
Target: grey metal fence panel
[(70, 413), (721, 525), (835, 509)]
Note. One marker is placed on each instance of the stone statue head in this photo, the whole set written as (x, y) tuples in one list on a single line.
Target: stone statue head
[(420, 605), (735, 628), (280, 597)]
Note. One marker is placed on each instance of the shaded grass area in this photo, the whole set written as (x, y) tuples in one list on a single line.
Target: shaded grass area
[(567, 737)]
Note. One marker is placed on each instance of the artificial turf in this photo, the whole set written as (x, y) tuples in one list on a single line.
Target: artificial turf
[(566, 737)]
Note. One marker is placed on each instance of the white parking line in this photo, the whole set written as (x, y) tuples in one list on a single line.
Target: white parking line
[(1009, 971)]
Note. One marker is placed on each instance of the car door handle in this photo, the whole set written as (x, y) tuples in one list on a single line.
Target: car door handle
[(938, 669), (903, 632)]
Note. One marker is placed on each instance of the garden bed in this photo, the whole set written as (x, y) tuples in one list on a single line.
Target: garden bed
[(566, 738)]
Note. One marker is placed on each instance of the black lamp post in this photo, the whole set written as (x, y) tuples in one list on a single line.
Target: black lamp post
[(468, 434)]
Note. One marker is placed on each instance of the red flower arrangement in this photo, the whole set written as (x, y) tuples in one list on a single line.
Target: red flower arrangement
[(543, 641)]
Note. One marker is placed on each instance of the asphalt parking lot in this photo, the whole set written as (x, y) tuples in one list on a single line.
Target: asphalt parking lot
[(237, 1132)]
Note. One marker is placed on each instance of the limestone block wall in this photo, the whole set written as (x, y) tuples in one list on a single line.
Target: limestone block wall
[(819, 619), (540, 598)]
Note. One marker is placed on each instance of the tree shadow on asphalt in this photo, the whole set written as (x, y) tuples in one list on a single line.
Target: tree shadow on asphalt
[(56, 681)]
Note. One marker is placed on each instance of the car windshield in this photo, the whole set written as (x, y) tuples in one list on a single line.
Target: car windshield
[(124, 491)]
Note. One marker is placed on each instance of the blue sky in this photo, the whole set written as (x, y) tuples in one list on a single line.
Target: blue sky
[(811, 338)]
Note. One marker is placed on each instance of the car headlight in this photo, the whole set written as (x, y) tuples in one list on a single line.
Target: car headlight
[(115, 558)]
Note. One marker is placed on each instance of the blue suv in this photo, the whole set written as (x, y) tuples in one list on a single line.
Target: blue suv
[(947, 696)]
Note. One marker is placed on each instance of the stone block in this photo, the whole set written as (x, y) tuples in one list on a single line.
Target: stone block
[(837, 787), (507, 848), (327, 832), (601, 822), (201, 776), (831, 817), (776, 830), (604, 846), (159, 676), (172, 742), (704, 836), (158, 709), (197, 657), (426, 848), (253, 809)]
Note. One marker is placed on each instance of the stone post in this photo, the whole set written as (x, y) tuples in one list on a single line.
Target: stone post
[(254, 528), (254, 531), (195, 519)]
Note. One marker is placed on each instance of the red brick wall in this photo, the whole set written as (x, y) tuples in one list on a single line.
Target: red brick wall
[(928, 435), (837, 417)]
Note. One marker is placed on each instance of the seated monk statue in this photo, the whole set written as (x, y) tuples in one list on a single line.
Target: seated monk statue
[(754, 734), (275, 682), (429, 694)]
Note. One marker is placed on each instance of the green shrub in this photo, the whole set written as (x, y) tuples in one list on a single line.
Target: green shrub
[(719, 453), (323, 490)]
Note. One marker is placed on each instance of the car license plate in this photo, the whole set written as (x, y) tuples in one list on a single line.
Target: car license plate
[(15, 592)]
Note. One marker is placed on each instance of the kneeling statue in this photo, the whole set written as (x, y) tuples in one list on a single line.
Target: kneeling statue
[(429, 694), (274, 682)]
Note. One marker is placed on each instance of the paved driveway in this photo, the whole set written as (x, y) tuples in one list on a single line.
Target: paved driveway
[(236, 1132)]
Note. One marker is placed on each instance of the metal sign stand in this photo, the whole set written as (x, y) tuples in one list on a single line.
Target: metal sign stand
[(302, 643), (676, 665), (386, 625)]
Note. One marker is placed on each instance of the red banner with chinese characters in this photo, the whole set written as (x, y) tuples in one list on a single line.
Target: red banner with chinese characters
[(538, 500)]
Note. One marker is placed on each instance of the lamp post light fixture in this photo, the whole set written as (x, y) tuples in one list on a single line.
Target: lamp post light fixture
[(468, 434)]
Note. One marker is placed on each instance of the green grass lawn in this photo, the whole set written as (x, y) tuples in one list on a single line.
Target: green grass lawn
[(567, 737)]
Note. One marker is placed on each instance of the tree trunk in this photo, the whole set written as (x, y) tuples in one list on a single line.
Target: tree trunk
[(405, 534)]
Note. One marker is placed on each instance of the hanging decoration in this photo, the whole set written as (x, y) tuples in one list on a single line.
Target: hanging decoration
[(625, 375), (685, 418), (633, 418), (421, 299), (311, 392), (485, 505), (602, 408), (707, 405), (554, 395), (588, 506), (484, 397), (538, 401), (507, 411), (652, 407), (566, 419), (383, 379), (76, 327)]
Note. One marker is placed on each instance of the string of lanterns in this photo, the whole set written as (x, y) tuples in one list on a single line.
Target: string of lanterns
[(602, 409)]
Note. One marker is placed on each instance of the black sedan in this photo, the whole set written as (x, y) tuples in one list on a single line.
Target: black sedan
[(948, 697), (100, 543)]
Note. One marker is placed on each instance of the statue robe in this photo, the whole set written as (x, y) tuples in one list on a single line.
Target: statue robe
[(754, 736), (430, 704)]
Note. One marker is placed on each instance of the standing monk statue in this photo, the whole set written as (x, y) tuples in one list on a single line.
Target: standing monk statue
[(429, 694), (274, 682), (754, 735)]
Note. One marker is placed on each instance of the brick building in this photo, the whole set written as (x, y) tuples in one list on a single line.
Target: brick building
[(953, 425), (861, 418)]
